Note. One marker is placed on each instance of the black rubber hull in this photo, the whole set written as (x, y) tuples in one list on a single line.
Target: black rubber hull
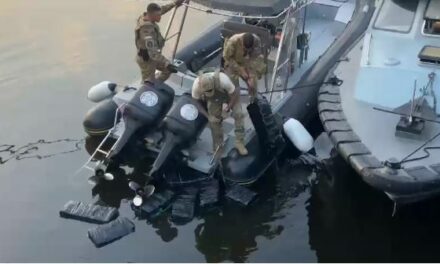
[(198, 52)]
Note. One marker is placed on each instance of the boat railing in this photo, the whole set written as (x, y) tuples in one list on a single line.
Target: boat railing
[(366, 50)]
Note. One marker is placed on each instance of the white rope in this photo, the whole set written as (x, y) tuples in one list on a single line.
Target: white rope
[(210, 11)]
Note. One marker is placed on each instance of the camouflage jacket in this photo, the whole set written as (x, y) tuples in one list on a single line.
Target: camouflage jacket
[(148, 37), (233, 54)]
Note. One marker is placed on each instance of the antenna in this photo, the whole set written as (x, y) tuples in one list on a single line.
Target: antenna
[(410, 119)]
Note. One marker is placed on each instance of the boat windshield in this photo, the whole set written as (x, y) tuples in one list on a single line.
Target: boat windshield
[(396, 15)]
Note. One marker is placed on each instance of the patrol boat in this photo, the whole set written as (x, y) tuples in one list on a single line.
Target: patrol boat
[(383, 116), (160, 124)]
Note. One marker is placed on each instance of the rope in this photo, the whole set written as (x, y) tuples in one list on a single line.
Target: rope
[(404, 160), (23, 152), (332, 81), (210, 11), (425, 149)]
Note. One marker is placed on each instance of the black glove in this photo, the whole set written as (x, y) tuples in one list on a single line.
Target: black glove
[(172, 68)]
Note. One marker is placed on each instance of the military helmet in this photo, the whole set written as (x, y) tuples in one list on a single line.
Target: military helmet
[(206, 82)]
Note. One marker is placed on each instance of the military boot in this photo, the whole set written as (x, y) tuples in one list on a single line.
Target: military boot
[(241, 148)]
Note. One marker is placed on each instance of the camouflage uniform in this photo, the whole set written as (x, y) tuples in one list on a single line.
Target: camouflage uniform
[(235, 57), (215, 99), (149, 43)]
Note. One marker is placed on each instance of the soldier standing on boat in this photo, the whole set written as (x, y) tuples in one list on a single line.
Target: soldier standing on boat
[(243, 58), (216, 89), (149, 43)]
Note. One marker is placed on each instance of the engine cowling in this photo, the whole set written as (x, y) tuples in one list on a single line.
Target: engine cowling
[(185, 121), (182, 126), (149, 104)]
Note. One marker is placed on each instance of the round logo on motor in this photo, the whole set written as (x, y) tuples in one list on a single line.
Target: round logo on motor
[(149, 98), (189, 112)]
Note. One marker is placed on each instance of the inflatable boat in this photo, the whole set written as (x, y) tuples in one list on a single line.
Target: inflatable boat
[(159, 124)]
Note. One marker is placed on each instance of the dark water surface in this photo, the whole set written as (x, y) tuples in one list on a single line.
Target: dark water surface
[(51, 51)]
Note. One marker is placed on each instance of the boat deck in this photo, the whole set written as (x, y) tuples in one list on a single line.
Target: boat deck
[(376, 129)]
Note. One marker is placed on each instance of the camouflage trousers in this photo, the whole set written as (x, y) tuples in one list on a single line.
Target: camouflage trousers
[(215, 109), (235, 77), (148, 70)]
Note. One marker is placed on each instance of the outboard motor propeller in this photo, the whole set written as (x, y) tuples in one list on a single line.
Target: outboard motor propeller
[(182, 127), (141, 193)]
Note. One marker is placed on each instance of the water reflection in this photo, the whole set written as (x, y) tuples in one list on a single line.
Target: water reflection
[(347, 220), (231, 234), (228, 232), (356, 224)]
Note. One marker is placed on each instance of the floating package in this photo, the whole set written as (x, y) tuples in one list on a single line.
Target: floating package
[(91, 213), (241, 195), (209, 193), (184, 205), (110, 232), (154, 204)]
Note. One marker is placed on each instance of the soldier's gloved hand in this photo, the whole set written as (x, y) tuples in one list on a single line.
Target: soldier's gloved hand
[(179, 2), (172, 68)]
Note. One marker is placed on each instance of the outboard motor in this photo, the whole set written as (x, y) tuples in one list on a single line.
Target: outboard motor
[(149, 105), (182, 127), (145, 110)]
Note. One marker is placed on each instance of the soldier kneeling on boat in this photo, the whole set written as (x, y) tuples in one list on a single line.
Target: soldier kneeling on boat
[(216, 89)]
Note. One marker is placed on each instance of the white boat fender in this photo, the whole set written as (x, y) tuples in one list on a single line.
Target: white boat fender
[(101, 91), (298, 135)]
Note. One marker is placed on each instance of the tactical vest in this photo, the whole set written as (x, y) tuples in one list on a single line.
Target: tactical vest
[(140, 43)]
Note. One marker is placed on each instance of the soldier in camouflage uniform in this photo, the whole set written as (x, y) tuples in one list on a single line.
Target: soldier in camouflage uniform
[(243, 58), (149, 43), (216, 89)]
